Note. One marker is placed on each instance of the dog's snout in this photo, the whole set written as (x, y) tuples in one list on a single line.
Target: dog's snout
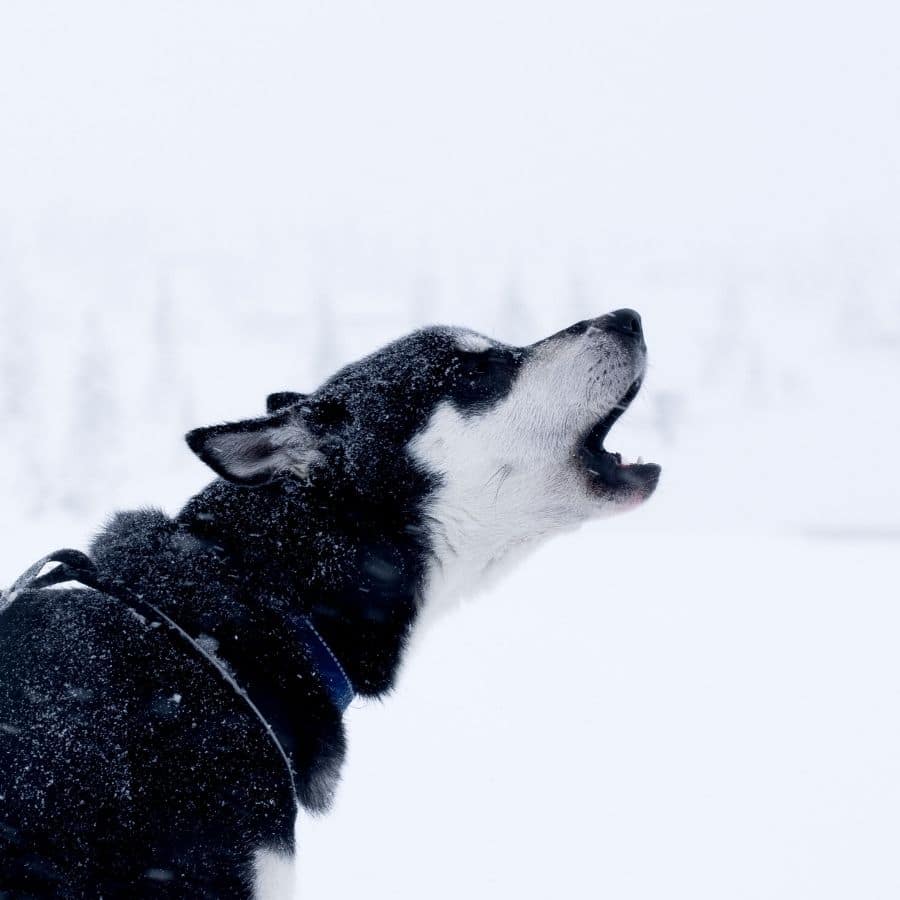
[(624, 321)]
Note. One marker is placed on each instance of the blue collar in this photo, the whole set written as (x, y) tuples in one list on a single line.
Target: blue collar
[(325, 664)]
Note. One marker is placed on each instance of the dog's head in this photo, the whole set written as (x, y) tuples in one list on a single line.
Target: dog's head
[(454, 401), (505, 443)]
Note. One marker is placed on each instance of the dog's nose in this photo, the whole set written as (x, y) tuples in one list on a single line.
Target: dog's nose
[(625, 321)]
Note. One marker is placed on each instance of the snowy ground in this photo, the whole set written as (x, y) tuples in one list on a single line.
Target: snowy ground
[(638, 716), (634, 713)]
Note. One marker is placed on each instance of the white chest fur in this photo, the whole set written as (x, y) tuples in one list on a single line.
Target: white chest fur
[(274, 875)]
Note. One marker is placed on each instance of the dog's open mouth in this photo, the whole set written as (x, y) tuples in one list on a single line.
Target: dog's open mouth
[(606, 469)]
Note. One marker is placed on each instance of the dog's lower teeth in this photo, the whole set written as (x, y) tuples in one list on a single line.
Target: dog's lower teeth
[(640, 460)]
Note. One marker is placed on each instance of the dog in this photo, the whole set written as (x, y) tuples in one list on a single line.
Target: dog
[(161, 721)]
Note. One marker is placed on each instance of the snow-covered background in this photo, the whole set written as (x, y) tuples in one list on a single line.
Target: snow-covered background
[(202, 203)]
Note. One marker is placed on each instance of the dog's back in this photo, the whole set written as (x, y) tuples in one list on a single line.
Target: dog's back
[(116, 751)]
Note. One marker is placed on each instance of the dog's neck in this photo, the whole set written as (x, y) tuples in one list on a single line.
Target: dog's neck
[(356, 572), (479, 534), (367, 577), (490, 506)]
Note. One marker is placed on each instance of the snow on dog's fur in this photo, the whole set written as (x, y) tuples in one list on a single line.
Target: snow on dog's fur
[(408, 479)]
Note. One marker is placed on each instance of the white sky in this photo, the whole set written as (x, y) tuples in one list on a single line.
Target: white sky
[(480, 123)]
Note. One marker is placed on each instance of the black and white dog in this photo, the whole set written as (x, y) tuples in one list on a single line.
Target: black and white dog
[(157, 733)]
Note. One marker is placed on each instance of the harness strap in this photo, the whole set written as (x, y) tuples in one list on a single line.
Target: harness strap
[(32, 579), (75, 566)]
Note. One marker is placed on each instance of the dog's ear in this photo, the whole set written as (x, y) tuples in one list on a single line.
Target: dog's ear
[(254, 451), (282, 400)]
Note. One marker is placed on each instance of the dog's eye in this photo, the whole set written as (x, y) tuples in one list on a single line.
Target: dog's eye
[(486, 375), (484, 364), (475, 365)]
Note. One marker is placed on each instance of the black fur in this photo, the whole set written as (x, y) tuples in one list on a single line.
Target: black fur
[(125, 770)]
